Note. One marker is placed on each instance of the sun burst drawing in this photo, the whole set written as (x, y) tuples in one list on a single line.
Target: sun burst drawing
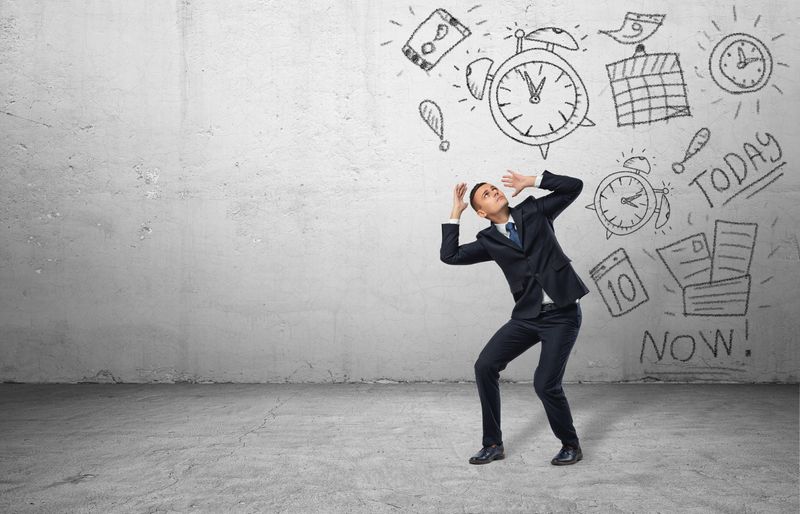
[(741, 63)]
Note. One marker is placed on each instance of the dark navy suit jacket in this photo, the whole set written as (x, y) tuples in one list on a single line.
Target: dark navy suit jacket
[(540, 262)]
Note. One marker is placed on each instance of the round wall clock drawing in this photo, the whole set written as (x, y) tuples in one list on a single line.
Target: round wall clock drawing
[(535, 96), (625, 201), (740, 63)]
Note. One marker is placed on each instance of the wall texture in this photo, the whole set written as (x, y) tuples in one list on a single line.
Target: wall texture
[(253, 190)]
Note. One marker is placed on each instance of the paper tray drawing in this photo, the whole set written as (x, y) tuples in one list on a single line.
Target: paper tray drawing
[(715, 282), (720, 298)]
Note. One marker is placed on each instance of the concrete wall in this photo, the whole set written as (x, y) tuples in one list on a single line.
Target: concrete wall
[(247, 191)]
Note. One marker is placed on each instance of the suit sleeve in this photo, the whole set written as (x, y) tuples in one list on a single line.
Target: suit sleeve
[(452, 253), (564, 191)]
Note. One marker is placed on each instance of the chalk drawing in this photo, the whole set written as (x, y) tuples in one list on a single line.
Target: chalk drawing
[(742, 173), (432, 116), (26, 119), (716, 281), (625, 201), (619, 284), (535, 97), (697, 143), (684, 346), (740, 63), (784, 246), (648, 88), (434, 38), (635, 28), (477, 73)]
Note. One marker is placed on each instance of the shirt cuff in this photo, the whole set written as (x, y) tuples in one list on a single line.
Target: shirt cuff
[(454, 220), (538, 181)]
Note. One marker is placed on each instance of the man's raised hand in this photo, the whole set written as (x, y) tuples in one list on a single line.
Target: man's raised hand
[(458, 199), (517, 181)]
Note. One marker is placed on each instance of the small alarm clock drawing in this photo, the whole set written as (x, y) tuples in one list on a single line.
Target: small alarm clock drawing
[(535, 96), (625, 201), (740, 63)]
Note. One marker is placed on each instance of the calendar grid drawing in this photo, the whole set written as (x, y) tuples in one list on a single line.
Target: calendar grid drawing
[(648, 88)]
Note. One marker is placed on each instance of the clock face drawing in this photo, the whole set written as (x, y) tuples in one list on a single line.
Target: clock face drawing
[(535, 96), (740, 63), (625, 200), (538, 98)]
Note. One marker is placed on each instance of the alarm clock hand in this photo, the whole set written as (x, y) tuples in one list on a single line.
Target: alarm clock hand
[(744, 61), (625, 201), (628, 200), (741, 58), (742, 64), (539, 89), (535, 91), (529, 83)]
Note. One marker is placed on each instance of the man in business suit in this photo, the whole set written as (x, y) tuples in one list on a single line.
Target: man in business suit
[(545, 287)]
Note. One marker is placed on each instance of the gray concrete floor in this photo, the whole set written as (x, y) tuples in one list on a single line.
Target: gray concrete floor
[(393, 448)]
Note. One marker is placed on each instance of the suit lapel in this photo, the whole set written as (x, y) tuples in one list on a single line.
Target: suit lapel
[(492, 232)]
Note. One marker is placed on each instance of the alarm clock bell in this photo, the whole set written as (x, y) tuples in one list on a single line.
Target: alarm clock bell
[(535, 96)]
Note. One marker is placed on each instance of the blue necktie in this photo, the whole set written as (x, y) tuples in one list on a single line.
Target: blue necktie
[(512, 233)]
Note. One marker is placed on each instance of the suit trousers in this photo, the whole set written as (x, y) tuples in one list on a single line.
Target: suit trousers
[(557, 330)]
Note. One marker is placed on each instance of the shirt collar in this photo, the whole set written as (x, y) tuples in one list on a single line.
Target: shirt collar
[(502, 226)]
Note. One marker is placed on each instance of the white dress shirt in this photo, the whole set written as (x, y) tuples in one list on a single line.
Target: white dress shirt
[(501, 227)]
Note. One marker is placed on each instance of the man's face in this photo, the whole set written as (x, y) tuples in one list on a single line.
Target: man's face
[(489, 200)]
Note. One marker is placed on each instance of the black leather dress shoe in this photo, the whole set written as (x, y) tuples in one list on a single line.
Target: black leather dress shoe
[(567, 455), (487, 454)]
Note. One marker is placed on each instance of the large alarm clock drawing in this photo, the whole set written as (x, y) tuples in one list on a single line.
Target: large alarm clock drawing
[(625, 201), (740, 63), (535, 96)]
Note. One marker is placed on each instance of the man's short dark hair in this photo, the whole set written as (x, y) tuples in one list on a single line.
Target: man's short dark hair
[(472, 195)]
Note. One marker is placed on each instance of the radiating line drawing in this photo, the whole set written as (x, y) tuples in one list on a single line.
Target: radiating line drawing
[(479, 94), (26, 119), (788, 245), (619, 284), (440, 47), (635, 28), (434, 38), (648, 88), (535, 97), (715, 282), (740, 63), (431, 114), (477, 72), (625, 201), (697, 143)]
